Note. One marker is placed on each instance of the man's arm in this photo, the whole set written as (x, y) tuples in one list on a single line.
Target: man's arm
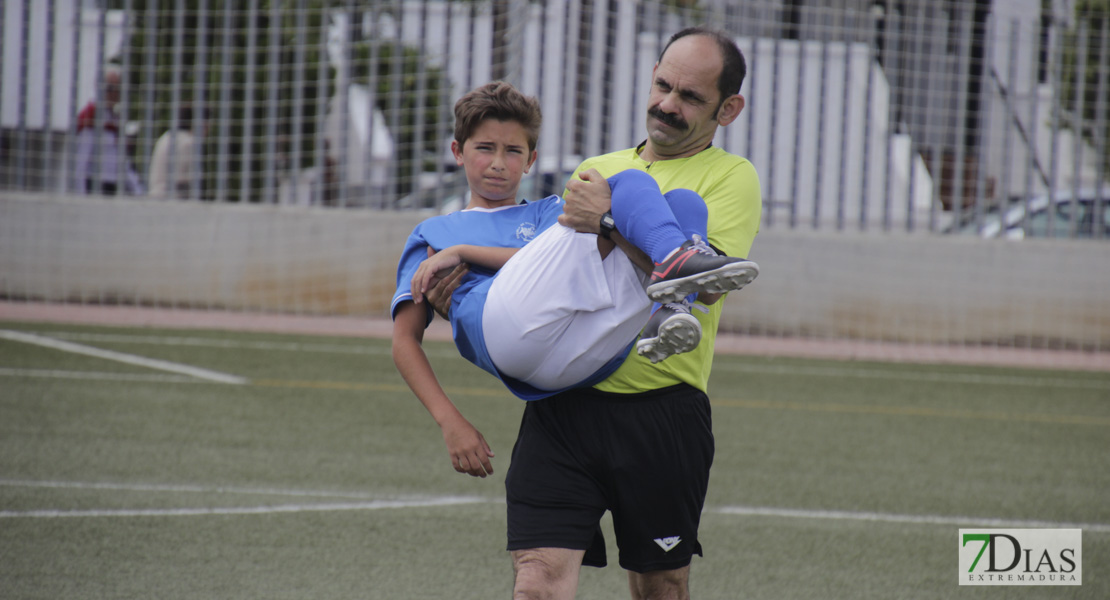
[(637, 256), (465, 444), (584, 201)]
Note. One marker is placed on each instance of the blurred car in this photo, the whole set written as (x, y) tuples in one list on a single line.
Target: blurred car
[(1040, 218)]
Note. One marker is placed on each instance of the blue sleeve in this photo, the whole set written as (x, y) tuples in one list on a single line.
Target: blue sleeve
[(415, 252), (552, 207)]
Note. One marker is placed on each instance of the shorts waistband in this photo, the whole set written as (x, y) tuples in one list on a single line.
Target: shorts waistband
[(596, 395)]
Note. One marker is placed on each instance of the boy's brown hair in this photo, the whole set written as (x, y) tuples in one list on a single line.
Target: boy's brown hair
[(497, 100)]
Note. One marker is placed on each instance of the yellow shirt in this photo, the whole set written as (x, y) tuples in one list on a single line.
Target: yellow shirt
[(730, 187)]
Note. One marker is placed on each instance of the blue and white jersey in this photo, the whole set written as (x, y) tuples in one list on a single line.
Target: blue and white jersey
[(504, 227)]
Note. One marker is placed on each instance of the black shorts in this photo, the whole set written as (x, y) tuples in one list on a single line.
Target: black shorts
[(644, 457)]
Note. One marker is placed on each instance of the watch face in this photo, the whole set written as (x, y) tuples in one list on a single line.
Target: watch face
[(607, 224)]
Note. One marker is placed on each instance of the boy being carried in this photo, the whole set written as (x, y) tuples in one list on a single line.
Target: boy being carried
[(545, 308)]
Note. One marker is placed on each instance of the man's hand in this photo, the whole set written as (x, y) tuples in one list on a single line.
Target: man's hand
[(443, 286), (585, 201)]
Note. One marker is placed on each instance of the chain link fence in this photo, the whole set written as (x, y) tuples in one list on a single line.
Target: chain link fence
[(890, 115)]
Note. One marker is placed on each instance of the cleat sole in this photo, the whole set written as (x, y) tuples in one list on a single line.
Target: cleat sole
[(728, 278), (678, 334)]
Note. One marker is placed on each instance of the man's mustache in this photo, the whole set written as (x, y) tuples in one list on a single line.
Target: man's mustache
[(667, 118)]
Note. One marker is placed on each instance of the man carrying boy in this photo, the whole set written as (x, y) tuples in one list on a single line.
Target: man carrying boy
[(564, 309), (652, 471)]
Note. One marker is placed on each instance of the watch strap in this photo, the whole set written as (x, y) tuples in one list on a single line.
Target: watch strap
[(607, 224)]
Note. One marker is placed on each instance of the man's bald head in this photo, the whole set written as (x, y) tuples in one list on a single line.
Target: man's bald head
[(733, 66)]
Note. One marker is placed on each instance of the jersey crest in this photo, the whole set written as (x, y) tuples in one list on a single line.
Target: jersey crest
[(526, 231)]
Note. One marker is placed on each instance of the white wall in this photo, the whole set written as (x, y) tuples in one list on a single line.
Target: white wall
[(928, 289), (922, 289), (260, 258), (73, 28)]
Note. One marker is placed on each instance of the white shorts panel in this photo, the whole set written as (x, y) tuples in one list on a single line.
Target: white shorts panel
[(557, 312)]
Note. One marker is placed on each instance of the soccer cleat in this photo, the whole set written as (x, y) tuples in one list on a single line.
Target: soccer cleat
[(670, 330), (696, 268)]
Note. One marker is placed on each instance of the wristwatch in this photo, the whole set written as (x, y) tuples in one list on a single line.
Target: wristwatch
[(608, 225)]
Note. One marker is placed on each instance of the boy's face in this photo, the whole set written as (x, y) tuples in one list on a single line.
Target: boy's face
[(494, 157)]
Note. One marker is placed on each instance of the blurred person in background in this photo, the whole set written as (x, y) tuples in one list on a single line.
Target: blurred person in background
[(101, 154), (174, 163)]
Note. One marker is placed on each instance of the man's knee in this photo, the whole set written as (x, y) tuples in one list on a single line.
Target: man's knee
[(660, 585), (546, 573)]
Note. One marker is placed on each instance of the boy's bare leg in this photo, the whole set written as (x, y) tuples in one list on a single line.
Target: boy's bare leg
[(546, 573)]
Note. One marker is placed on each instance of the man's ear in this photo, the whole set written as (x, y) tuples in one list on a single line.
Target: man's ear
[(456, 149), (730, 109), (531, 161)]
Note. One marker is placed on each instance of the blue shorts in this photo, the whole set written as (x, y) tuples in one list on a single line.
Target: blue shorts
[(643, 457)]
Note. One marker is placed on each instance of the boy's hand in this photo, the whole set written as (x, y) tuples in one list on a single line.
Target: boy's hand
[(585, 201), (437, 266), (440, 290), (469, 451)]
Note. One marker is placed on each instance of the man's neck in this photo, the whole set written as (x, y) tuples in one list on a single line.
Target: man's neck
[(648, 153)]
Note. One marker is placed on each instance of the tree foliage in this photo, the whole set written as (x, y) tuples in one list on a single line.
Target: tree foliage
[(1089, 51), (243, 53), (414, 95), (219, 56)]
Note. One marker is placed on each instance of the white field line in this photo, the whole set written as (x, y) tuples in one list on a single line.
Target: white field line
[(231, 344), (203, 342), (151, 363), (831, 371), (241, 510), (961, 521), (372, 501), (195, 489), (96, 375), (367, 501)]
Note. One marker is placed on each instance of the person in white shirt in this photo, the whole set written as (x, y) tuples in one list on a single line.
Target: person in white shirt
[(101, 155), (174, 164)]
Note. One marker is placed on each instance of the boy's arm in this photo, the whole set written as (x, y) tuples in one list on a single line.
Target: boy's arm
[(465, 444), (490, 257), (436, 266), (439, 295)]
